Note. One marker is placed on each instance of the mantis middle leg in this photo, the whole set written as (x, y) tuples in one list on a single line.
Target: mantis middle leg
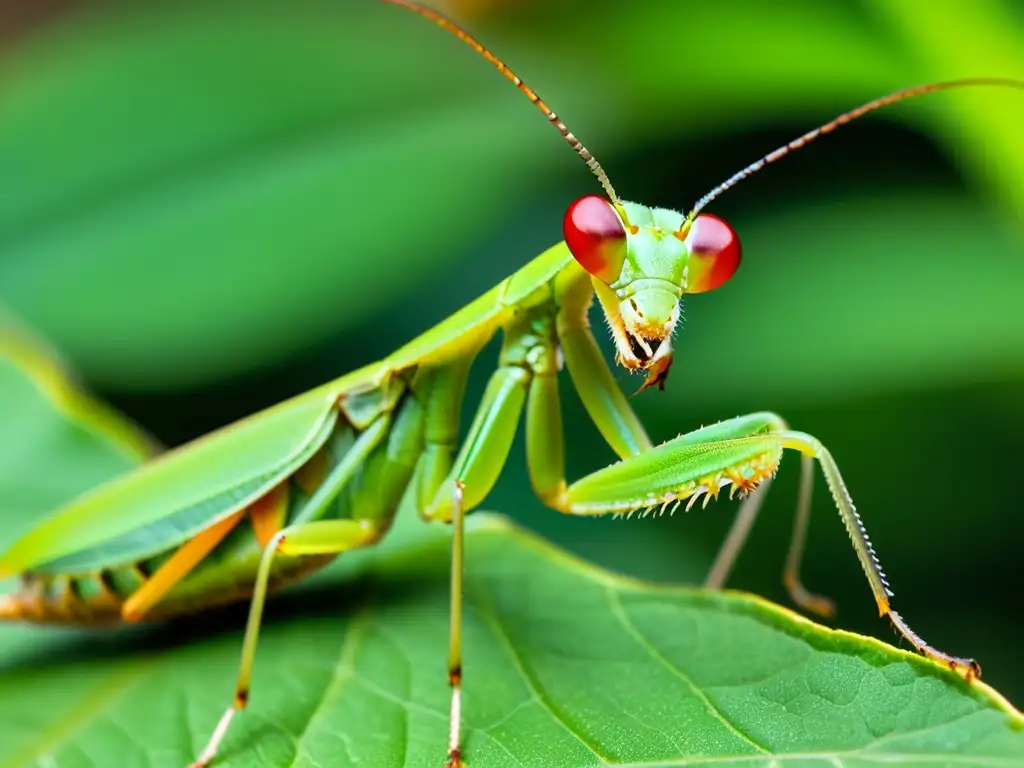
[(448, 485)]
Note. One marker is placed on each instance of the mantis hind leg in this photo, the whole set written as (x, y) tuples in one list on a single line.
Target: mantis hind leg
[(304, 537), (320, 537)]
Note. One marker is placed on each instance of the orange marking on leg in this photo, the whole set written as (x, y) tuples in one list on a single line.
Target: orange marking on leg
[(267, 513), (188, 556)]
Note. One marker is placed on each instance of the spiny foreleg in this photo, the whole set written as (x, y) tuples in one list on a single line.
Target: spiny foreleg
[(741, 454)]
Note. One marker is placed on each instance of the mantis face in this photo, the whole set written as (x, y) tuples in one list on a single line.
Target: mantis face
[(641, 261)]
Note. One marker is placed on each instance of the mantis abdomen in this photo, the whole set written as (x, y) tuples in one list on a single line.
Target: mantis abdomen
[(359, 473)]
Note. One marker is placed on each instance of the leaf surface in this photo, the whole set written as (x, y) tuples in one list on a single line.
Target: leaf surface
[(565, 665)]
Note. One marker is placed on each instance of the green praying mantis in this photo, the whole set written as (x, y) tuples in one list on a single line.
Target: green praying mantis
[(267, 501)]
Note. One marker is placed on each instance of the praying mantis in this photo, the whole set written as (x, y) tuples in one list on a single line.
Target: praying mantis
[(265, 502)]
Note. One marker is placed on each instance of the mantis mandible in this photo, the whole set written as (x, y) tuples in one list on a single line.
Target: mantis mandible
[(265, 502)]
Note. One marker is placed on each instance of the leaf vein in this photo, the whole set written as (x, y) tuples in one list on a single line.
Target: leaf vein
[(443, 716), (343, 672), (620, 614), (490, 617)]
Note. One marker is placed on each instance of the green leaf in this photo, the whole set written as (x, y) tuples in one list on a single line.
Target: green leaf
[(985, 129), (565, 665), (55, 440)]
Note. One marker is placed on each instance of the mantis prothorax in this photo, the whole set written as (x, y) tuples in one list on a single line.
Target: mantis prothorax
[(283, 492)]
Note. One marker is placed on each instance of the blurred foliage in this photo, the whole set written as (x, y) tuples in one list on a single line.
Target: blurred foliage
[(57, 441), (208, 207)]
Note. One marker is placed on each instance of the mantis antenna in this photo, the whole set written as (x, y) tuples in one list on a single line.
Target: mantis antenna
[(843, 119), (476, 45), (736, 178)]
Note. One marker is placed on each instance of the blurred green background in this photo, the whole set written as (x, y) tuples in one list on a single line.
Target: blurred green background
[(208, 207)]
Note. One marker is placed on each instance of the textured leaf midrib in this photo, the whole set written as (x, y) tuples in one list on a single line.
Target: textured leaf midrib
[(343, 673), (489, 615), (641, 640), (616, 584)]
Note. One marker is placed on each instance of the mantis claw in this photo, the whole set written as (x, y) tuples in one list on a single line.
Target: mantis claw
[(969, 669)]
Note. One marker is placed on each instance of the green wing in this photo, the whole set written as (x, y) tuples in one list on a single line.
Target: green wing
[(170, 499)]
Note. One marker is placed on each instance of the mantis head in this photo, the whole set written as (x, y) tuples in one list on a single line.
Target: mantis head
[(641, 261)]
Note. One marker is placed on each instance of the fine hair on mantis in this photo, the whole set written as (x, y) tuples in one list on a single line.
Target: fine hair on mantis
[(282, 493)]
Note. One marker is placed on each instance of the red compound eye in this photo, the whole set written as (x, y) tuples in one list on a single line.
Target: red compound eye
[(596, 237), (714, 253)]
